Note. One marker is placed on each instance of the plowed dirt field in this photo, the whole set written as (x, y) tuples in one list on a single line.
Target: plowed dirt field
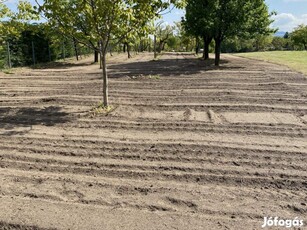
[(187, 145)]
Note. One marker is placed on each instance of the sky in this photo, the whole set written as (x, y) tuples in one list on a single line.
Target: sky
[(290, 13)]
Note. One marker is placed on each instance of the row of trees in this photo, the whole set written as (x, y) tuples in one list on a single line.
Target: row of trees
[(295, 40), (299, 36), (93, 23), (223, 19), (36, 43), (98, 23)]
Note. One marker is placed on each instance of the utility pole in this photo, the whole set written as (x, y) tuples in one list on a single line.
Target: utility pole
[(9, 55)]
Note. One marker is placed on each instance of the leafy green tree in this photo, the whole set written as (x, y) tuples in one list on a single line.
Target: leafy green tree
[(173, 43), (242, 18), (163, 34), (186, 41), (223, 19), (198, 21), (4, 13), (286, 35), (279, 43), (262, 42), (299, 36), (11, 25)]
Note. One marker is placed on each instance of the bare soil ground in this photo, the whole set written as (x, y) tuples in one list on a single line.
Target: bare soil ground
[(187, 146)]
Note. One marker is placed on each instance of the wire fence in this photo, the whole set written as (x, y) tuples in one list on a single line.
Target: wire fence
[(26, 53)]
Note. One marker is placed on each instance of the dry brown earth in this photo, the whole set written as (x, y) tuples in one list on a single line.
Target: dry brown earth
[(187, 146)]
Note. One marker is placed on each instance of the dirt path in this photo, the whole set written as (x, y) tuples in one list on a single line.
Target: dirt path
[(187, 146)]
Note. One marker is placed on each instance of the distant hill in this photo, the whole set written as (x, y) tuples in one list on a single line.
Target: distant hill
[(279, 34)]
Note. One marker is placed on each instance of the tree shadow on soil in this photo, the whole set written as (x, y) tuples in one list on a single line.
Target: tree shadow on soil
[(168, 67), (4, 225), (60, 65), (12, 119)]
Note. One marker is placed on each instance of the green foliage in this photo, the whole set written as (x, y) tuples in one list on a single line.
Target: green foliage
[(187, 42), (3, 56), (259, 43), (299, 37), (101, 109), (224, 19), (47, 43), (279, 43), (15, 21), (199, 18), (163, 34)]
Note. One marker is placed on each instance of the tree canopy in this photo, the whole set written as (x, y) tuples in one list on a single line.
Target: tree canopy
[(299, 36), (222, 19)]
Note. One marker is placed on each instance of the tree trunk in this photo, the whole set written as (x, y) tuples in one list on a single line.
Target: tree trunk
[(96, 56), (100, 60), (49, 52), (124, 48), (207, 41), (128, 50), (160, 46), (217, 51), (105, 79), (197, 46), (206, 50), (9, 55), (163, 46), (76, 49), (100, 54), (97, 53)]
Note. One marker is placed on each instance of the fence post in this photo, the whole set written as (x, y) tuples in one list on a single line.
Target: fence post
[(155, 46), (33, 53), (63, 49), (9, 55), (49, 52)]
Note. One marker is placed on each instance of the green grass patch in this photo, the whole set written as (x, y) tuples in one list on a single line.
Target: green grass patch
[(101, 109), (144, 77), (7, 71), (296, 60)]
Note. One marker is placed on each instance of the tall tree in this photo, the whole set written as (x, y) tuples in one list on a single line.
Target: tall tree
[(228, 18), (13, 23), (163, 34), (299, 36), (247, 19)]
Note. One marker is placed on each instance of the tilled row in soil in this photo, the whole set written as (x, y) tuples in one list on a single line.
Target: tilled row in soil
[(185, 145)]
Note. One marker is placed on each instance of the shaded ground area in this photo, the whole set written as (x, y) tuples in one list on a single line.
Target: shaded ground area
[(168, 65), (6, 226), (186, 146)]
